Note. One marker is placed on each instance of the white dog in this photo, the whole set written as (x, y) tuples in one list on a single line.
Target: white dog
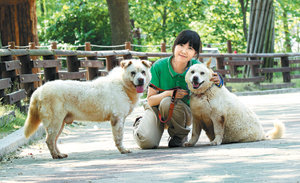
[(112, 98), (223, 117)]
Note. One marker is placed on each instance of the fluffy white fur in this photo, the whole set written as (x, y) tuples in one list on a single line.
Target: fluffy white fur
[(110, 98), (223, 117)]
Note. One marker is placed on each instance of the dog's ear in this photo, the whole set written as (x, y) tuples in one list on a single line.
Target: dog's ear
[(146, 63), (208, 63), (125, 63)]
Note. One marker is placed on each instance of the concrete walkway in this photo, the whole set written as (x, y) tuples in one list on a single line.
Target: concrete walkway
[(94, 158)]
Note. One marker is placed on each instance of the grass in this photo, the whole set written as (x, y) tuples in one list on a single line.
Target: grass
[(14, 125)]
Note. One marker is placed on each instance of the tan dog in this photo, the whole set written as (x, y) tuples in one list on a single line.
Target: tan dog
[(220, 114), (110, 98)]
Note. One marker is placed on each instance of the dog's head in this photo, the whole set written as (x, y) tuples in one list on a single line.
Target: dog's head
[(136, 73), (198, 77)]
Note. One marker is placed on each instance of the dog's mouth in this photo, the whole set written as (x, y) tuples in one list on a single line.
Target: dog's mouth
[(139, 88), (196, 85)]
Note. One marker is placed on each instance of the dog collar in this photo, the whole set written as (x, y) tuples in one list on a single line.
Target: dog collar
[(201, 94)]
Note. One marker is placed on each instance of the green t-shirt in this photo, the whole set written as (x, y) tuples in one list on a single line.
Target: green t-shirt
[(164, 77)]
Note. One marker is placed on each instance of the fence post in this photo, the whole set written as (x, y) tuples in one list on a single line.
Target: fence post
[(285, 75), (13, 76), (73, 63), (163, 47), (91, 72), (50, 73), (35, 70), (254, 69), (10, 74), (26, 69), (229, 50), (201, 51), (129, 56), (12, 45), (54, 47), (220, 64), (128, 45), (111, 62)]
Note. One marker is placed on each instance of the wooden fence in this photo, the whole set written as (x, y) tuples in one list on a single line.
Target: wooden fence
[(23, 70)]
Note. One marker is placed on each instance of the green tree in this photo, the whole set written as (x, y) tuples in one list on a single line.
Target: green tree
[(244, 10), (223, 21), (76, 23), (161, 21), (288, 18)]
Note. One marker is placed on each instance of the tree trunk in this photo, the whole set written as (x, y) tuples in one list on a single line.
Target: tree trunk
[(119, 21), (261, 31), (18, 22), (0, 44), (244, 7), (288, 45)]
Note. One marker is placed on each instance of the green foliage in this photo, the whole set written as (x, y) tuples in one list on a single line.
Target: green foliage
[(15, 124), (292, 19), (161, 21), (223, 21), (76, 22)]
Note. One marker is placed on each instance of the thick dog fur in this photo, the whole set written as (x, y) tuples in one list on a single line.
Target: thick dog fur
[(110, 98), (220, 114)]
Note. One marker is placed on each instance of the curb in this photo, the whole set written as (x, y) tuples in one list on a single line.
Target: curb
[(11, 142)]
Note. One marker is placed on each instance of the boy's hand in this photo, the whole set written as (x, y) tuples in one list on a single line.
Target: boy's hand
[(215, 78), (181, 93)]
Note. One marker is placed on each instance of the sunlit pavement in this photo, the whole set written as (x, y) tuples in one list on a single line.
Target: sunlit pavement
[(94, 158)]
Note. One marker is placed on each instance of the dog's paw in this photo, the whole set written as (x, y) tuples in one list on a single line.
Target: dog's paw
[(125, 151), (187, 144), (59, 156), (215, 143)]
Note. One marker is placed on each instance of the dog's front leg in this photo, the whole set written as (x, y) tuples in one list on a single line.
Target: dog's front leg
[(117, 125), (195, 133), (219, 126)]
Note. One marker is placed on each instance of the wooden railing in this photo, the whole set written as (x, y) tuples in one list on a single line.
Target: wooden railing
[(23, 70)]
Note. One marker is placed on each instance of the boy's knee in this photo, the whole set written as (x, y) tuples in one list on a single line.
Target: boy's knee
[(165, 104), (145, 143)]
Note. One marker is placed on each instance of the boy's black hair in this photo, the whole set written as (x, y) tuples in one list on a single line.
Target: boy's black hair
[(191, 37)]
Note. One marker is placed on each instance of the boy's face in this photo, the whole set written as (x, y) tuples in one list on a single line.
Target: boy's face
[(184, 52)]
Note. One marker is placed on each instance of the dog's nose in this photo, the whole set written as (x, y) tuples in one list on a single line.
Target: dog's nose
[(140, 81), (195, 79)]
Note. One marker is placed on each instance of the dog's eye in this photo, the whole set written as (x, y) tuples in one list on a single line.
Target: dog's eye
[(192, 72), (144, 72), (133, 73), (202, 73)]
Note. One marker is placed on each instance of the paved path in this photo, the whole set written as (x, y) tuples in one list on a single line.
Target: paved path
[(94, 158)]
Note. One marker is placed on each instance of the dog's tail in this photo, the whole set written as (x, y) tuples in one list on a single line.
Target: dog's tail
[(277, 132), (33, 120)]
